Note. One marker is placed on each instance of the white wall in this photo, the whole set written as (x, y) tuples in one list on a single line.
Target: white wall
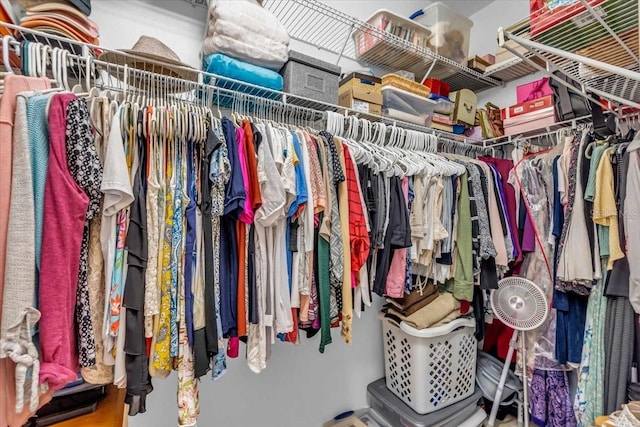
[(500, 13), (300, 387)]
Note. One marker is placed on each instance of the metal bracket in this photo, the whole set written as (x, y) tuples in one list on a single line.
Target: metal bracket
[(501, 39)]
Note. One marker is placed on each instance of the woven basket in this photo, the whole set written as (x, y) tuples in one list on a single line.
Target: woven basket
[(405, 84)]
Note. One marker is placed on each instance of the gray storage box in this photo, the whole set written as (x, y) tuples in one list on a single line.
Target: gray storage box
[(311, 78), (397, 413)]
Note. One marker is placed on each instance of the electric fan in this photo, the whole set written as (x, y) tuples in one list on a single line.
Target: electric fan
[(522, 305)]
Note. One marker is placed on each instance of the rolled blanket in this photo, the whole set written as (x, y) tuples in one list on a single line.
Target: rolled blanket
[(246, 31)]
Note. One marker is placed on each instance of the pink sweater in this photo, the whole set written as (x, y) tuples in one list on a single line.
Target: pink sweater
[(65, 208)]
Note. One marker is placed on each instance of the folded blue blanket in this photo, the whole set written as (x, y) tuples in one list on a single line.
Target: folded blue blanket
[(225, 66)]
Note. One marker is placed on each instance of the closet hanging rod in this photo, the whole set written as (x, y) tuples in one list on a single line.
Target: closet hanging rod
[(547, 130), (551, 130), (118, 77), (81, 48)]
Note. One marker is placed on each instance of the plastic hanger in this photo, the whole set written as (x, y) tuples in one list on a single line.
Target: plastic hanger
[(6, 48)]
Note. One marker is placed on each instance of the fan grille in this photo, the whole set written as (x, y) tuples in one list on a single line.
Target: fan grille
[(519, 303)]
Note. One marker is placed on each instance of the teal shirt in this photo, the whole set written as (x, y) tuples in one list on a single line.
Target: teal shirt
[(39, 150)]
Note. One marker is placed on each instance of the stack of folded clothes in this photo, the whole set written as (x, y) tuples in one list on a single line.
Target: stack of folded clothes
[(244, 42), (62, 18), (423, 308)]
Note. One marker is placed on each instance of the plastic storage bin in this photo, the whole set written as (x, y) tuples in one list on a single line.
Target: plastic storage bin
[(397, 413), (309, 77), (449, 30), (438, 87), (432, 368), (406, 106), (445, 106), (366, 417)]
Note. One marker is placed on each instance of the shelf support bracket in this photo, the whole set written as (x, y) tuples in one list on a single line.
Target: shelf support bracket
[(428, 73), (344, 45)]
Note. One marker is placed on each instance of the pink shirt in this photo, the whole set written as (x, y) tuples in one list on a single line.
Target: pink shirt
[(247, 214), (398, 270), (65, 209), (13, 85)]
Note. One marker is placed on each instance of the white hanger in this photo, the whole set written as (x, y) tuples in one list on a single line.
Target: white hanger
[(6, 46)]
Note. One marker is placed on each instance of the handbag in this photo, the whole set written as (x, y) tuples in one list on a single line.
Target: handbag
[(490, 120)]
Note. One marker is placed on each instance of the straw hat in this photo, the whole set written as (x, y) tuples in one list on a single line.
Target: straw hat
[(167, 62)]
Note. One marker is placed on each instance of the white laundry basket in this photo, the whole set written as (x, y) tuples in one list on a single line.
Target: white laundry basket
[(432, 368)]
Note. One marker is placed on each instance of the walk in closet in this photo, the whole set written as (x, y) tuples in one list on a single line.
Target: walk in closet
[(319, 213)]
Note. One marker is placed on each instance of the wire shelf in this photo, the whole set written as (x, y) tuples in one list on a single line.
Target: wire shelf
[(600, 30), (513, 69), (135, 74), (198, 3), (328, 29), (325, 28)]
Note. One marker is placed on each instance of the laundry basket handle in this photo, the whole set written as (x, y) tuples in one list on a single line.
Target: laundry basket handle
[(438, 330)]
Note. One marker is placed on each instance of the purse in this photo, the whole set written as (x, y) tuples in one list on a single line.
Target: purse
[(490, 120)]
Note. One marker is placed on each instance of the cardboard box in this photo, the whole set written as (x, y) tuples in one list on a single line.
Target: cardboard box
[(442, 127), (360, 100), (442, 119), (491, 59), (478, 63), (533, 90), (530, 121), (546, 14), (527, 107)]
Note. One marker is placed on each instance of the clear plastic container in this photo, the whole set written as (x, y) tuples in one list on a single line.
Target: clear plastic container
[(380, 45), (389, 24), (405, 106), (444, 106), (450, 31), (366, 417)]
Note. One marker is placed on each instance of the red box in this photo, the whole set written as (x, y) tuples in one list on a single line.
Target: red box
[(438, 87), (533, 90), (527, 107), (546, 14)]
